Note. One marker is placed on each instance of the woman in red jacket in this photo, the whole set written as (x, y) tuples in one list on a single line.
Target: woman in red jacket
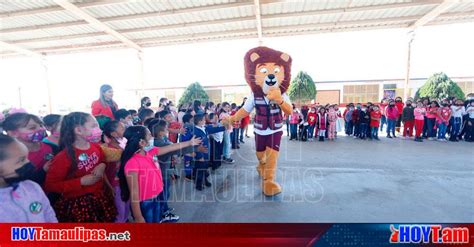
[(105, 105)]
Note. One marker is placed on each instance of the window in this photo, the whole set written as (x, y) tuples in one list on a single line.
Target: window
[(361, 93)]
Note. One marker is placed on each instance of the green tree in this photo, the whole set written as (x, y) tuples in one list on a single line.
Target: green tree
[(194, 92), (439, 86), (302, 88)]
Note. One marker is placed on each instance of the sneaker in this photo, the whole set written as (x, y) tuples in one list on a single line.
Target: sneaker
[(169, 217), (389, 136), (242, 141), (188, 178), (207, 183), (200, 188), (229, 160)]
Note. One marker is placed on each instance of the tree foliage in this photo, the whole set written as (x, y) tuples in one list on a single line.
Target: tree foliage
[(440, 86), (194, 92), (302, 88)]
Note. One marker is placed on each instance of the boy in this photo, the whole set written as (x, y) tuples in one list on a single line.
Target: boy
[(124, 117), (408, 118), (201, 159), (135, 118), (188, 120), (234, 135), (216, 143), (355, 121), (363, 122)]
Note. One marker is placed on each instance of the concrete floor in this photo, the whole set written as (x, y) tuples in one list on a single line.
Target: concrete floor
[(346, 180)]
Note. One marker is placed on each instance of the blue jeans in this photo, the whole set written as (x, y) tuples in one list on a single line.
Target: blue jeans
[(349, 128), (456, 127), (383, 121), (227, 145), (293, 131), (362, 130), (430, 127), (442, 130), (151, 209), (310, 131), (165, 195), (375, 132), (234, 137), (391, 126)]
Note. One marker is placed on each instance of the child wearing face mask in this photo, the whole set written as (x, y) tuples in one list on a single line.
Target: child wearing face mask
[(469, 131), (22, 200), (114, 130), (322, 123), (444, 114), (419, 114), (140, 176), (408, 119), (77, 173), (349, 127), (29, 130), (124, 116), (332, 118), (356, 121), (375, 119), (52, 123), (364, 120), (312, 116), (392, 115), (458, 110)]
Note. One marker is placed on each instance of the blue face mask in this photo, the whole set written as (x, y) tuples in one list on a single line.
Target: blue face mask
[(150, 145)]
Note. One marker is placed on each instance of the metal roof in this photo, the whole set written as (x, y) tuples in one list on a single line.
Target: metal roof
[(51, 26)]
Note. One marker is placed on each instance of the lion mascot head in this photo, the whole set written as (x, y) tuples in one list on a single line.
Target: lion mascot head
[(266, 68)]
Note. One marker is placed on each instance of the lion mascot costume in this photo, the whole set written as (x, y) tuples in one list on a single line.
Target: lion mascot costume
[(268, 73)]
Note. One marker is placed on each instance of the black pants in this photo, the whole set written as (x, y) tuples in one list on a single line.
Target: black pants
[(201, 172), (234, 137), (215, 160), (469, 130)]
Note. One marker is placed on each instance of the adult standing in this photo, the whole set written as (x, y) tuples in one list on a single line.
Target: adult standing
[(145, 103), (105, 105)]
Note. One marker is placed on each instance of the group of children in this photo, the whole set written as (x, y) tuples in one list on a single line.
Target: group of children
[(423, 119), (73, 169)]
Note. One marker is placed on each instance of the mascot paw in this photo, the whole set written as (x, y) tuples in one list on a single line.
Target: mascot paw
[(275, 95), (271, 188), (260, 170), (227, 122)]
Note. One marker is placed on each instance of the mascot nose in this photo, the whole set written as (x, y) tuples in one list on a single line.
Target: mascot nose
[(271, 76), (270, 80)]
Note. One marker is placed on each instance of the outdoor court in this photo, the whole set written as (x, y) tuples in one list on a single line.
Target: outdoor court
[(393, 180)]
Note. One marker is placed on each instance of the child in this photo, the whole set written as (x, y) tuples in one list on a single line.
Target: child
[(375, 118), (140, 176), (431, 115), (399, 104), (145, 114), (383, 120), (188, 121), (322, 123), (339, 120), (201, 159), (29, 130), (469, 136), (224, 114), (174, 127), (408, 119), (114, 130), (125, 117), (332, 118), (355, 121), (22, 200), (135, 117), (52, 122), (444, 114), (349, 127), (458, 111), (392, 114), (234, 135), (364, 120), (216, 143), (294, 119), (77, 173), (312, 116), (419, 113)]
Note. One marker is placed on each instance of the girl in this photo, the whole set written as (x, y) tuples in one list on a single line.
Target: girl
[(312, 116), (375, 118), (52, 122), (399, 104), (444, 114), (458, 111), (383, 120), (431, 114), (339, 120), (210, 107), (332, 118), (114, 130), (322, 122), (408, 119), (105, 105), (426, 105), (224, 114), (77, 173), (419, 114), (22, 200), (139, 165), (392, 114), (244, 124), (294, 119), (29, 130)]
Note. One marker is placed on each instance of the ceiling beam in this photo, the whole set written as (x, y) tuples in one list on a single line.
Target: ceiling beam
[(258, 20), (221, 6), (96, 23), (18, 49), (438, 10)]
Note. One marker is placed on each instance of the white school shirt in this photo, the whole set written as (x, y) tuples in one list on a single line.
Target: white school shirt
[(250, 104), (457, 112), (471, 114)]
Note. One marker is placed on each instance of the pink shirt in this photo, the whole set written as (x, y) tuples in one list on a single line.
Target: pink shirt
[(419, 113), (40, 157), (150, 181), (294, 117), (391, 112)]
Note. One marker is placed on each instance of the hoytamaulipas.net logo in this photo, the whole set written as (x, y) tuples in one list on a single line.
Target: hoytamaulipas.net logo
[(74, 234), (435, 234)]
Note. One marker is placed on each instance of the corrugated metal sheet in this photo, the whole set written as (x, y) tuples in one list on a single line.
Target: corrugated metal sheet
[(38, 19), (13, 6), (68, 42), (43, 33)]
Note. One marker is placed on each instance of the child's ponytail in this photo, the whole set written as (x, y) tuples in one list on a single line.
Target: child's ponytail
[(68, 137)]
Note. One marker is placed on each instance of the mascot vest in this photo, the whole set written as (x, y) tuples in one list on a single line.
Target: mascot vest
[(267, 115)]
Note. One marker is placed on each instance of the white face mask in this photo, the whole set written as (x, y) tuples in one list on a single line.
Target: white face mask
[(122, 142), (150, 146)]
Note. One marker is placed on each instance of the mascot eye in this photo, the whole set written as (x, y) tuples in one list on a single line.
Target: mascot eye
[(276, 70), (263, 70)]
